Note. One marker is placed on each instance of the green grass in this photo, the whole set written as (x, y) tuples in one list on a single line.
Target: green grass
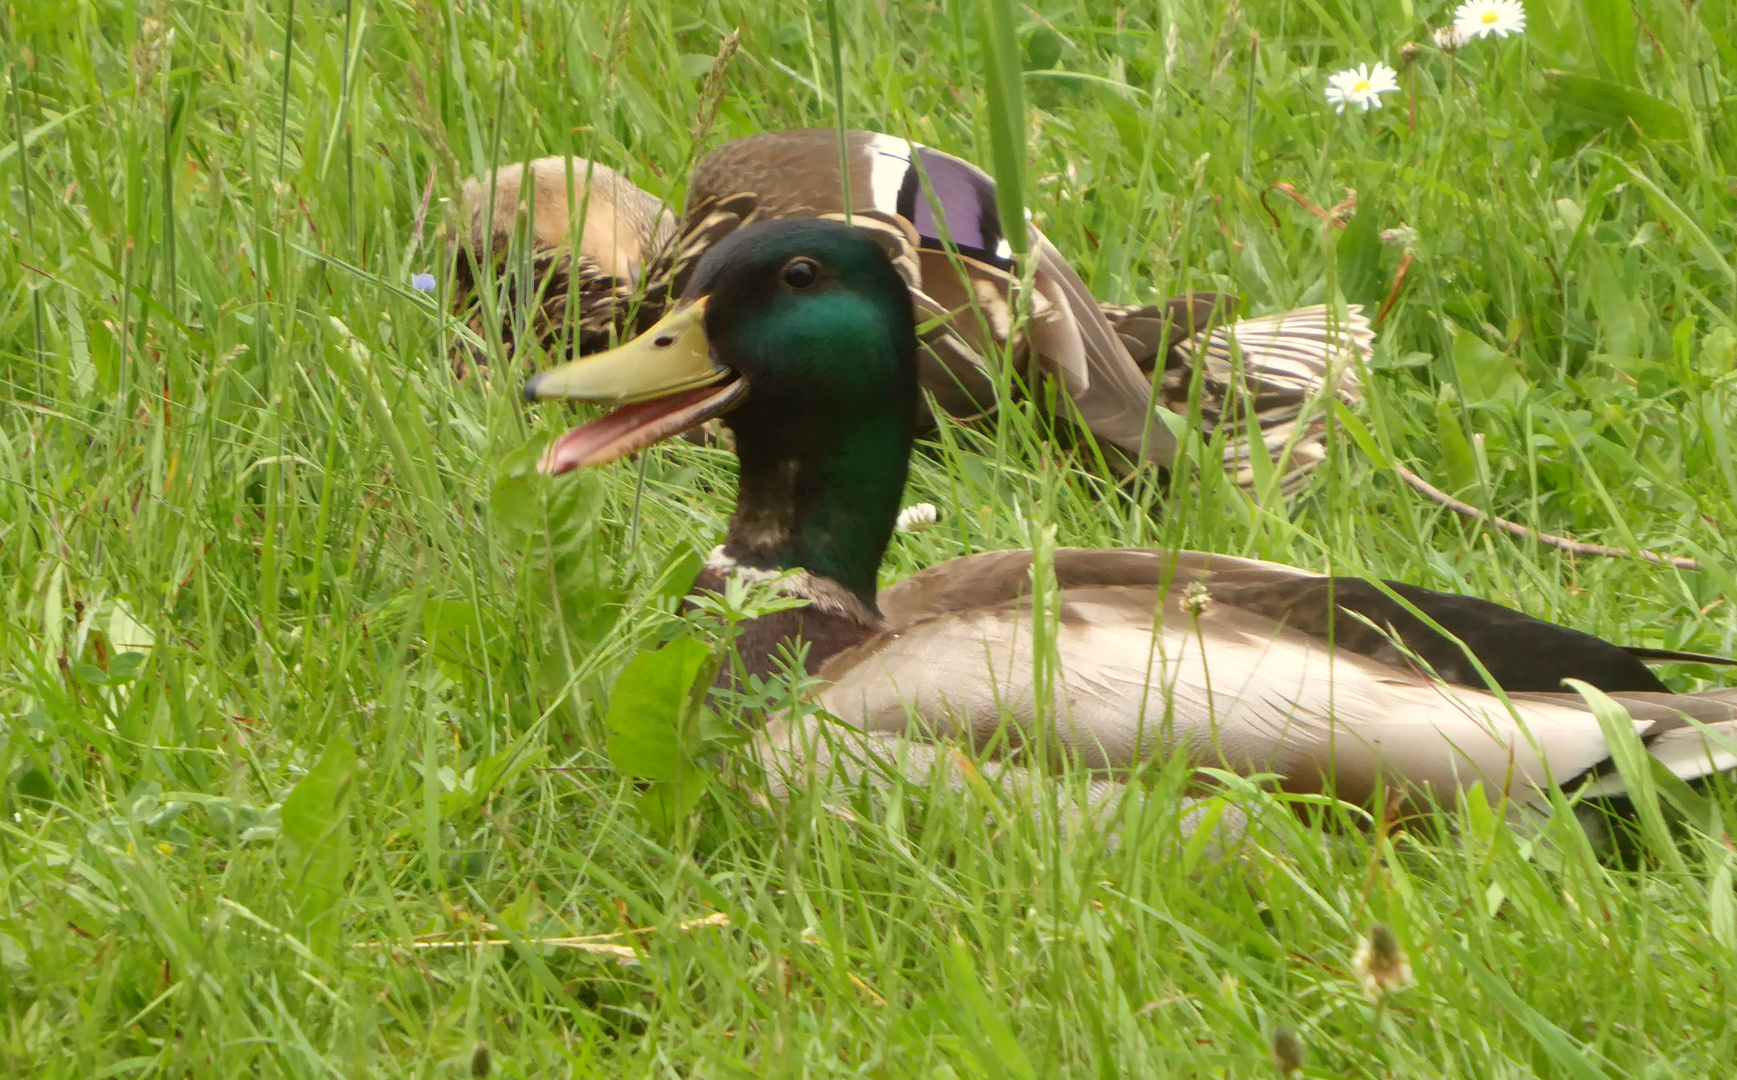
[(255, 540)]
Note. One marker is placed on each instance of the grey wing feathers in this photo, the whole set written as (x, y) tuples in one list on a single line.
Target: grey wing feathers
[(1281, 370), (1138, 674), (1692, 735), (1290, 353), (1133, 677), (1077, 345)]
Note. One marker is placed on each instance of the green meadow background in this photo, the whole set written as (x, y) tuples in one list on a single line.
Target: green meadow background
[(303, 669)]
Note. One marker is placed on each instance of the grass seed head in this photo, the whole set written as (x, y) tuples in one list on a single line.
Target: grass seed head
[(1287, 1050), (1380, 964)]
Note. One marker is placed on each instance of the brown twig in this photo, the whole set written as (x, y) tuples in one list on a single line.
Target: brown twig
[(1268, 206), (1562, 543), (1335, 217), (1393, 293), (1340, 215)]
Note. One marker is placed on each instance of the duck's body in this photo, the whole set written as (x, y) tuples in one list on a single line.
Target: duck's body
[(802, 335), (1230, 660), (936, 216)]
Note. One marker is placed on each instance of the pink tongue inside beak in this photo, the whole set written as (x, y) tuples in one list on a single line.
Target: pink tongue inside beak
[(634, 427)]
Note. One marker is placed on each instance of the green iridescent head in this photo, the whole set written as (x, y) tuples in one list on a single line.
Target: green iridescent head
[(802, 336)]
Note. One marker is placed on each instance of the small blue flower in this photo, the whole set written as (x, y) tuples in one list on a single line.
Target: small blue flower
[(422, 282)]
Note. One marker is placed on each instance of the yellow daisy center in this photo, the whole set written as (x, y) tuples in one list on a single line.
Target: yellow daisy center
[(1360, 87), (1490, 17)]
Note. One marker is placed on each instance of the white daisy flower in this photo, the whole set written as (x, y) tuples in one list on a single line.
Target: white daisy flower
[(1448, 38), (917, 518), (1481, 18), (1361, 85)]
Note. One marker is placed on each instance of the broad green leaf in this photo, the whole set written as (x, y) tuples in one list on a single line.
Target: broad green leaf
[(575, 501), (1456, 449), (1570, 213), (665, 804), (1608, 104), (1486, 373), (314, 824), (584, 579), (515, 504), (1615, 308), (676, 576), (1353, 425), (1043, 49), (453, 632), (1718, 351), (317, 806), (127, 633), (646, 706), (1613, 29), (1129, 121), (1359, 253), (653, 752)]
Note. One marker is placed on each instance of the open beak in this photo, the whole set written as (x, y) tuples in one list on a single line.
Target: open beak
[(665, 381)]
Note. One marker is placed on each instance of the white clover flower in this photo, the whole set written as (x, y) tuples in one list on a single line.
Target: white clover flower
[(1481, 18), (1401, 236), (1448, 38), (1361, 85), (918, 518)]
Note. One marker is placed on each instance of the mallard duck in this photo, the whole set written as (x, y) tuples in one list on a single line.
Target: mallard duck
[(801, 335), (936, 216), (621, 232)]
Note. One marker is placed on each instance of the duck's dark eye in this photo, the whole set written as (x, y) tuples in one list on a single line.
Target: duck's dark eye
[(800, 273)]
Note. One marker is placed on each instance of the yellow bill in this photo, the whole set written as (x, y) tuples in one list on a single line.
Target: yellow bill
[(665, 380)]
